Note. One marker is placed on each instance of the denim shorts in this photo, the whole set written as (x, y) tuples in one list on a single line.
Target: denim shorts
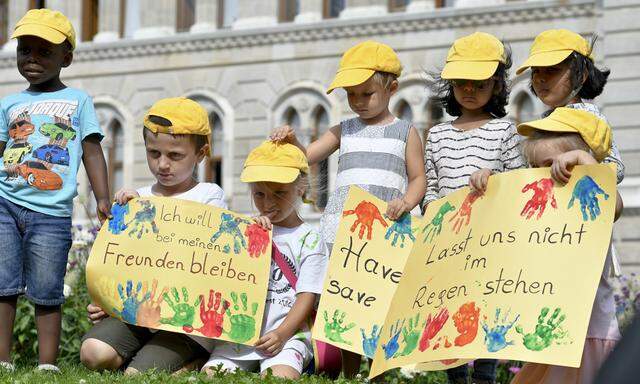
[(33, 253)]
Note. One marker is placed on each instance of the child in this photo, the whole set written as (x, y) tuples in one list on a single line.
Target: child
[(278, 176), (176, 137), (563, 74), (378, 152), (44, 132), (473, 87), (569, 137)]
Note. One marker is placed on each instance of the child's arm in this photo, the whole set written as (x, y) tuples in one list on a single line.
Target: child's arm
[(417, 180), (96, 167), (272, 343), (317, 151), (615, 158)]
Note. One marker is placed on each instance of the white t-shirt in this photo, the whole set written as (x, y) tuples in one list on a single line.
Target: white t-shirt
[(306, 253), (205, 193)]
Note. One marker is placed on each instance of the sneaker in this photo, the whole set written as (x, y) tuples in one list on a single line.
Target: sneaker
[(7, 366), (48, 368)]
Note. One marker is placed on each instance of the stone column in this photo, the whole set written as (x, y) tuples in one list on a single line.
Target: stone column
[(364, 8), (310, 11), (157, 19), (256, 14), (420, 6), (108, 21), (206, 16), (17, 9)]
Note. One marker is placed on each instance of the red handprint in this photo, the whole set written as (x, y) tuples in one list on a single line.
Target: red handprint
[(212, 317), (464, 212), (366, 213), (432, 327), (466, 322), (258, 239), (542, 191)]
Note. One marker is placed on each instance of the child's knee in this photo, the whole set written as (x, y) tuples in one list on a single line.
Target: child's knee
[(283, 371), (98, 355)]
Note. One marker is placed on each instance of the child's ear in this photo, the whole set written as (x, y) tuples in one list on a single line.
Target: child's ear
[(68, 58), (393, 87), (202, 153)]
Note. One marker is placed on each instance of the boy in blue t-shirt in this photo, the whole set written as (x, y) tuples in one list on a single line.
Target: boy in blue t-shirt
[(44, 132)]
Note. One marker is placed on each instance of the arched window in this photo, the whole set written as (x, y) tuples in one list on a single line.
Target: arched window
[(287, 10), (435, 114), (332, 8), (90, 16), (292, 118), (212, 172), (113, 147), (227, 13), (398, 5), (320, 171), (4, 20), (403, 111), (525, 108), (185, 15)]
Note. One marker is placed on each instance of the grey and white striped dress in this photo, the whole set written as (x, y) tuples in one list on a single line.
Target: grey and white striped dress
[(371, 157)]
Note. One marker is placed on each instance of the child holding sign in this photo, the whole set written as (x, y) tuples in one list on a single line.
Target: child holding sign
[(176, 137), (569, 137), (278, 178), (378, 152), (473, 87)]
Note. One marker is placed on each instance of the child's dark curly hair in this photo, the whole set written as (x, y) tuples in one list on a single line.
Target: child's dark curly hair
[(443, 89), (580, 66)]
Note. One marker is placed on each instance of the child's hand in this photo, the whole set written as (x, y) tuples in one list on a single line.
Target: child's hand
[(95, 313), (263, 221), (123, 196), (283, 134), (478, 181), (271, 344), (396, 208), (564, 163), (103, 210)]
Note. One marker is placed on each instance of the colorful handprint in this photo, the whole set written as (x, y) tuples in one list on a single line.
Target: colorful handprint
[(116, 222), (495, 338), (183, 312), (466, 322), (144, 220), (334, 329), (258, 239), (542, 194), (544, 333), (410, 335), (587, 191), (149, 311), (369, 343), (463, 215), (213, 316), (432, 327), (130, 302), (392, 346), (434, 228), (400, 229), (230, 225), (366, 213), (243, 325)]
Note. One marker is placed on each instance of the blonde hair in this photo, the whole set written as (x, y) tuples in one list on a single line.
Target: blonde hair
[(384, 79), (565, 141)]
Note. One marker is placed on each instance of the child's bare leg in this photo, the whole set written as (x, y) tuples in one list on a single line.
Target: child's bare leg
[(48, 324), (7, 317), (350, 364), (283, 371), (98, 355)]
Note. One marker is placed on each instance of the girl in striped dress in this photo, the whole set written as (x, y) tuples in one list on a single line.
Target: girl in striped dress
[(472, 87), (378, 152)]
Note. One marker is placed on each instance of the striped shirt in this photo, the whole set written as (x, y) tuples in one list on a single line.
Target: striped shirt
[(371, 157), (453, 154)]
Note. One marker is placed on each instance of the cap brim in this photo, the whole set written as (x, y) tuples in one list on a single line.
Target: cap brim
[(544, 59), (469, 70), (546, 124), (267, 173), (41, 31), (350, 77)]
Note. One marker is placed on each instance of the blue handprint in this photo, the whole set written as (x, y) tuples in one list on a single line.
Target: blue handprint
[(392, 345), (496, 338), (130, 302), (587, 191), (144, 220), (370, 343), (400, 228), (230, 225), (116, 223)]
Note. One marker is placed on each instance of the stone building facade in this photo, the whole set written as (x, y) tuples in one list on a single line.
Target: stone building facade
[(255, 64)]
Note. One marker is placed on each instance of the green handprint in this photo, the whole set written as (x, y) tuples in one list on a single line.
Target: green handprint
[(411, 335), (183, 312), (243, 325), (333, 330), (544, 334)]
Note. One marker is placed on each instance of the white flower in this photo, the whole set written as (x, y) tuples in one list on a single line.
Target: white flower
[(66, 291)]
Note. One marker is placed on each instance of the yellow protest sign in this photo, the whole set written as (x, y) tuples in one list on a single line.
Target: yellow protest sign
[(364, 270), (511, 275), (182, 266)]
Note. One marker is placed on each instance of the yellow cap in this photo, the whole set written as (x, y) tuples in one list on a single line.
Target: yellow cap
[(595, 132), (186, 116), (359, 63), (272, 162), (553, 46), (44, 23), (474, 57)]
